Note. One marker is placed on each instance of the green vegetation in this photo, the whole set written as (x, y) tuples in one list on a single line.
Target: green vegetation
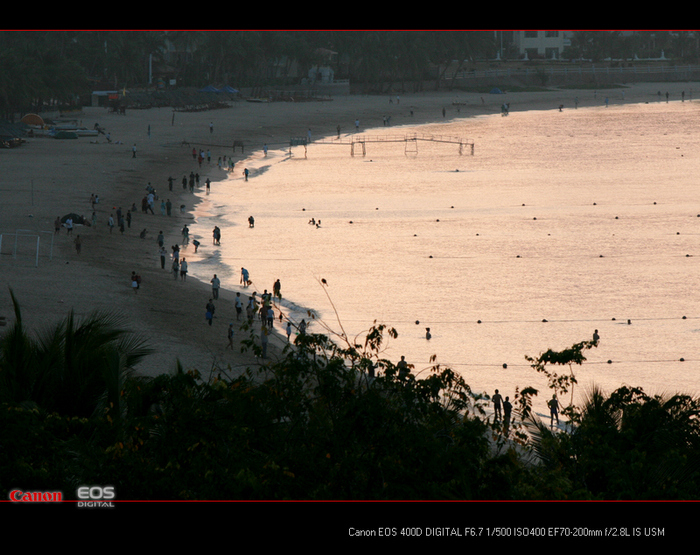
[(316, 425), (58, 68)]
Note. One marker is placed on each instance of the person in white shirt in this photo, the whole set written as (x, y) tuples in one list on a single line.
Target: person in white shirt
[(215, 285)]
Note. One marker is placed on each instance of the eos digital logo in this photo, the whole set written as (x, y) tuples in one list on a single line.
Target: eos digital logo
[(94, 497)]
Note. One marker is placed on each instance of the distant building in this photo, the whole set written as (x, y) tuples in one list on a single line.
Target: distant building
[(322, 71), (547, 45)]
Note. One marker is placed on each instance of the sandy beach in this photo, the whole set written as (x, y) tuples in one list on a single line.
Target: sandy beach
[(46, 178)]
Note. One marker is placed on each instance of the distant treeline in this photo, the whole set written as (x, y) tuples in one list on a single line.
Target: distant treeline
[(59, 67)]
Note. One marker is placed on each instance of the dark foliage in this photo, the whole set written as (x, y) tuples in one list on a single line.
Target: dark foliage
[(317, 425)]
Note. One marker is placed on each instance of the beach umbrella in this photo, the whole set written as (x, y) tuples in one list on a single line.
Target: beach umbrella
[(33, 119)]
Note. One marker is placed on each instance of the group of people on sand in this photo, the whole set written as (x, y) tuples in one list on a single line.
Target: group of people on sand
[(502, 407), (256, 305)]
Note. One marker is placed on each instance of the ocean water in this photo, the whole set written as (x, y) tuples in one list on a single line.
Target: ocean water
[(560, 223)]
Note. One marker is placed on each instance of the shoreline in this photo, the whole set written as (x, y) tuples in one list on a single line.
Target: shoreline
[(48, 178)]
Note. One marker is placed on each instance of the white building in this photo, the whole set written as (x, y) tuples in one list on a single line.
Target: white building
[(547, 45)]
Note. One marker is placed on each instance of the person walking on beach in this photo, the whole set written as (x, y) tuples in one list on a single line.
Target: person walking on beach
[(110, 223), (276, 289), (245, 277), (57, 225), (245, 173), (497, 401), (230, 337), (215, 285), (553, 405), (507, 408), (135, 282), (168, 207), (210, 312), (69, 226), (216, 234), (183, 269), (596, 337), (249, 313), (77, 244), (162, 253), (263, 340), (239, 306), (133, 151), (176, 268), (160, 239), (402, 365), (289, 330)]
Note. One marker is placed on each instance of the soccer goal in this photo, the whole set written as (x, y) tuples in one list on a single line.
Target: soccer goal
[(26, 244)]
